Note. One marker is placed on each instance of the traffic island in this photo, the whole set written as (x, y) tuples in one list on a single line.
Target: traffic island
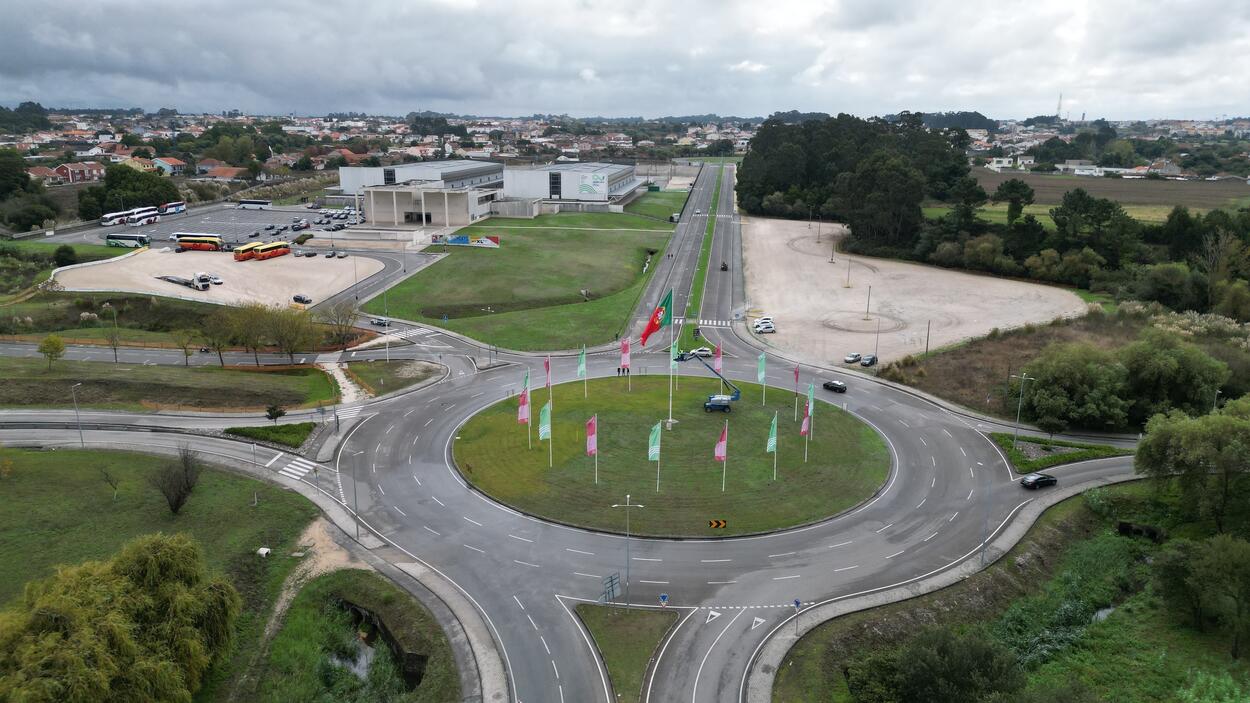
[(847, 461)]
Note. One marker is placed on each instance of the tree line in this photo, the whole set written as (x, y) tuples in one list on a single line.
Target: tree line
[(24, 203), (124, 188)]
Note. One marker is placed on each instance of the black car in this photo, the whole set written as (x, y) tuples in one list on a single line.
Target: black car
[(253, 235), (1038, 480), (868, 360), (302, 299), (835, 386), (269, 227), (330, 254)]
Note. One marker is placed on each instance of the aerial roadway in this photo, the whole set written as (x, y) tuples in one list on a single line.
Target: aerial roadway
[(949, 492)]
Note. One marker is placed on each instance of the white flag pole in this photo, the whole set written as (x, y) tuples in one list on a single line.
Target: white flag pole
[(724, 465)]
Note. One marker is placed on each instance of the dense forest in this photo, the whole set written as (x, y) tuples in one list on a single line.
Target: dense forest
[(27, 117)]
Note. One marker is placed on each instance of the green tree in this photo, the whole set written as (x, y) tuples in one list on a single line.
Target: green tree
[(184, 339), (1173, 572), (940, 666), (1079, 384), (292, 330), (218, 331), (64, 255), (1017, 194), (145, 625), (13, 177), (304, 163), (250, 324), (881, 199), (273, 412), (1233, 300), (52, 348), (1223, 567), (1166, 373), (176, 479)]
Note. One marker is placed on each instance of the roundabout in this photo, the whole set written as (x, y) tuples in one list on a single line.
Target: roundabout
[(847, 461)]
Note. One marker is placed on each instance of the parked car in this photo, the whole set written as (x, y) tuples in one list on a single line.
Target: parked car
[(330, 254), (1038, 480), (766, 328), (215, 280), (868, 360), (302, 299), (852, 358), (835, 386), (254, 235), (269, 228), (295, 219), (342, 255), (683, 356), (380, 322)]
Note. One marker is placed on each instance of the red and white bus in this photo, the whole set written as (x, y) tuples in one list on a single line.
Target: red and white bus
[(270, 250), (144, 216), (117, 218), (172, 208)]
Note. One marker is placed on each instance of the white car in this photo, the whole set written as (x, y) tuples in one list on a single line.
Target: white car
[(852, 358), (765, 319), (765, 329), (215, 280), (701, 351)]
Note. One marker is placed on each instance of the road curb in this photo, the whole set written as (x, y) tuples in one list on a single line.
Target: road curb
[(757, 683)]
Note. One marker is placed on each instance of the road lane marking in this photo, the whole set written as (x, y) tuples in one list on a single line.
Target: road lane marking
[(378, 448), (526, 563), (948, 433), (409, 412), (970, 472), (713, 561), (783, 578), (970, 494), (930, 537), (521, 539), (933, 459), (840, 544), (578, 573), (475, 522), (578, 551), (896, 553), (885, 528), (481, 551), (380, 489), (662, 583), (847, 568), (952, 518), (427, 422), (544, 641), (694, 695), (922, 500), (933, 482), (436, 500), (904, 424), (532, 623), (719, 583), (553, 666), (783, 554), (646, 559), (396, 507), (961, 451), (388, 430), (440, 534), (518, 602), (414, 478), (280, 455)]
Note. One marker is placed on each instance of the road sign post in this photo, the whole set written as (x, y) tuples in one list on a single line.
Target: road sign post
[(797, 605), (664, 600)]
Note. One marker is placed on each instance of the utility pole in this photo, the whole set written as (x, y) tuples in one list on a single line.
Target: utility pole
[(868, 304), (356, 491), (627, 505), (876, 346), (1024, 378), (78, 418)]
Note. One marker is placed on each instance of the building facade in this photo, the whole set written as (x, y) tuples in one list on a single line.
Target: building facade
[(577, 182)]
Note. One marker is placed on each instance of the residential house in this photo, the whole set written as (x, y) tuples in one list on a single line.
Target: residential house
[(45, 174), (139, 163), (227, 173), (80, 172), (169, 165)]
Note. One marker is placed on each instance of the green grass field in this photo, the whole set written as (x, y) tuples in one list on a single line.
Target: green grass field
[(660, 205), (298, 665), (527, 294), (1023, 464), (737, 159), (140, 318), (29, 383), (695, 302), (381, 377), (85, 252), (626, 638), (847, 460), (292, 435), (18, 274), (80, 520)]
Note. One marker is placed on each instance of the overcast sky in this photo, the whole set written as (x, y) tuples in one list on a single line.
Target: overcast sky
[(1109, 58)]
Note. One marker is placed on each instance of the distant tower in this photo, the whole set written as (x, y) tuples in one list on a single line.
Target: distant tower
[(1082, 116), (1059, 107)]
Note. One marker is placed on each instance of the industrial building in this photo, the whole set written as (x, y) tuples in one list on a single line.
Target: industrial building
[(571, 182), (434, 174), (438, 193)]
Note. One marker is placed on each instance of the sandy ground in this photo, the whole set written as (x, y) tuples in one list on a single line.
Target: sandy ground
[(349, 392), (273, 281), (788, 276)]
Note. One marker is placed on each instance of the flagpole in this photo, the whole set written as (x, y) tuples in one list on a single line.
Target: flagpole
[(659, 442), (796, 393), (775, 449), (724, 465), (596, 448), (529, 421)]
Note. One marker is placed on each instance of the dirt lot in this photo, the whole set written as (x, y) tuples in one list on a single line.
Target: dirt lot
[(789, 276), (272, 282), (1049, 190)]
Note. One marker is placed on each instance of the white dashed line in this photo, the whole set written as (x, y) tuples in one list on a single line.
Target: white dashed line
[(414, 478), (784, 578), (399, 511), (427, 422), (970, 472), (409, 412), (521, 539), (518, 602), (578, 551), (436, 500), (923, 442), (783, 554), (930, 537), (578, 573), (922, 500), (544, 641), (434, 531), (933, 482), (970, 494), (933, 460), (380, 489), (961, 451), (713, 561), (719, 583), (532, 623), (481, 551), (646, 559), (896, 554), (525, 563), (885, 528), (475, 522), (388, 430), (948, 433), (839, 544), (553, 666), (661, 583), (952, 518), (378, 448), (847, 568)]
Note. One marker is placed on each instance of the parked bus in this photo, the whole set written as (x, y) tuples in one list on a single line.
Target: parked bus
[(144, 216), (270, 250), (179, 236), (117, 218), (201, 243), (172, 208), (243, 252), (129, 241), (253, 205)]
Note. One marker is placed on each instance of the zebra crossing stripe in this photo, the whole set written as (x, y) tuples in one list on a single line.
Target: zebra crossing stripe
[(297, 468), (352, 411)]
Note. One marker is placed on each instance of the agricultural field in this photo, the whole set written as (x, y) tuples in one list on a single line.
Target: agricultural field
[(1197, 195), (528, 294)]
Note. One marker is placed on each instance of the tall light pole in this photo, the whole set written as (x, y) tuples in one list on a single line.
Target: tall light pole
[(1216, 401), (356, 491), (1024, 378), (81, 442), (627, 505)]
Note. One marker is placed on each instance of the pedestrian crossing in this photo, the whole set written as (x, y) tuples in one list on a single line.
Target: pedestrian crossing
[(297, 468), (715, 323), (349, 411), (411, 332)]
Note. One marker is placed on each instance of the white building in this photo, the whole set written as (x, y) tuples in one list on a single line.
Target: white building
[(432, 174), (593, 182), (439, 193)]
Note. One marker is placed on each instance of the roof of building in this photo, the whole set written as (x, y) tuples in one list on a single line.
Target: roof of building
[(170, 160), (586, 167), (41, 172), (441, 170), (226, 172)]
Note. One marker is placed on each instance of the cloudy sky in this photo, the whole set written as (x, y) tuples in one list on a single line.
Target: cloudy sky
[(1109, 58)]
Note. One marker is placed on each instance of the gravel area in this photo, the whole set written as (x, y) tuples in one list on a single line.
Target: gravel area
[(789, 276)]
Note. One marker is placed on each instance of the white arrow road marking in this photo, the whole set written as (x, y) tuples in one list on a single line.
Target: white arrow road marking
[(711, 615)]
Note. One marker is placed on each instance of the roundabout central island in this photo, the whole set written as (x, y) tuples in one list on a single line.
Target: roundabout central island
[(847, 461)]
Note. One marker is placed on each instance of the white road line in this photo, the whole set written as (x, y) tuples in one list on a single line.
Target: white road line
[(475, 395), (839, 544), (440, 534), (399, 511), (923, 442), (377, 448), (904, 424), (783, 578), (475, 522), (847, 568), (578, 551), (374, 467), (414, 440), (694, 696), (961, 451), (933, 482), (388, 430), (578, 573), (948, 433), (380, 489), (933, 459), (436, 500), (646, 559), (783, 554), (544, 641), (662, 583), (970, 494), (922, 500), (414, 478), (449, 407), (896, 554), (885, 528), (427, 422), (518, 602), (525, 563), (532, 623), (930, 537), (561, 689), (970, 472), (719, 583), (482, 551), (279, 456), (409, 412), (522, 539), (553, 666), (713, 561), (952, 518)]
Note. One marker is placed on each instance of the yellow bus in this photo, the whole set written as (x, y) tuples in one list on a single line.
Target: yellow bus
[(270, 250), (243, 252)]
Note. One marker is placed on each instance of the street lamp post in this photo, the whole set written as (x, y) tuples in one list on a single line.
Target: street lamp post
[(356, 491), (1024, 378), (1215, 402), (78, 418), (627, 505)]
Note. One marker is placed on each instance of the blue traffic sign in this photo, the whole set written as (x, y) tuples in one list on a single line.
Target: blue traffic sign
[(663, 597), (797, 604)]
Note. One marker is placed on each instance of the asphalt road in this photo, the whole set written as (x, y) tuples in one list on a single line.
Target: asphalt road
[(949, 490)]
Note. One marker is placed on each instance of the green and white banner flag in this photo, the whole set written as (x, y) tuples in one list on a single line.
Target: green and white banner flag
[(544, 421), (811, 399), (672, 356), (760, 372), (772, 437), (581, 363), (653, 445)]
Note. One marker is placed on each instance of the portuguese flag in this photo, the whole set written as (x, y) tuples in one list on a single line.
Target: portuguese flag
[(661, 317)]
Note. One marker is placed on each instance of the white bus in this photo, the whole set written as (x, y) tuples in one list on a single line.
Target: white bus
[(172, 208), (144, 216), (128, 241), (254, 205), (179, 236), (117, 218)]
